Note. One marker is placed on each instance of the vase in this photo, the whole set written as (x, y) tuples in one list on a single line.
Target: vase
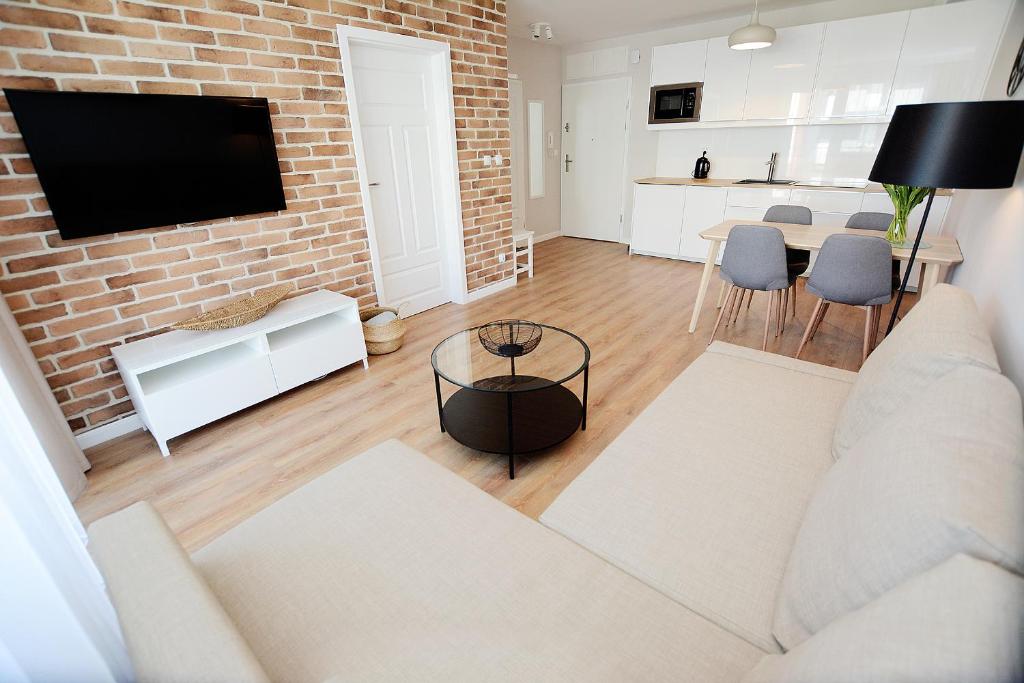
[(897, 233)]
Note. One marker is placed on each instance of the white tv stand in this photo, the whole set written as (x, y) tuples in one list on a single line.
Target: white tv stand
[(182, 380)]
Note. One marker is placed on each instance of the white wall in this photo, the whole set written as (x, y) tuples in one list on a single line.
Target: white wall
[(539, 67), (644, 144), (989, 224)]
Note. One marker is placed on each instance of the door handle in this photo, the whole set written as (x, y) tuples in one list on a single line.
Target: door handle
[(372, 184), (567, 162)]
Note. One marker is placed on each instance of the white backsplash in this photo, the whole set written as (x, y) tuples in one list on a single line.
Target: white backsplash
[(828, 152)]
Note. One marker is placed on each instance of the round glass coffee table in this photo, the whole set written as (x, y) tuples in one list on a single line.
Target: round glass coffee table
[(511, 404)]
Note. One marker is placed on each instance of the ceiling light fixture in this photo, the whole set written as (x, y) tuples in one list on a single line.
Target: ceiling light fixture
[(753, 36), (541, 29)]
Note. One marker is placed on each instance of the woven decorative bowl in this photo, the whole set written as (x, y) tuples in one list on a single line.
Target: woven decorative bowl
[(382, 339), (236, 313), (510, 338)]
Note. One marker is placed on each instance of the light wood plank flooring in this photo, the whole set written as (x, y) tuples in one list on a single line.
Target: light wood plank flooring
[(633, 311)]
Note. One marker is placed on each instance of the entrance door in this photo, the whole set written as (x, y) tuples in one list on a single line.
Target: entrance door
[(518, 132), (399, 126), (594, 117)]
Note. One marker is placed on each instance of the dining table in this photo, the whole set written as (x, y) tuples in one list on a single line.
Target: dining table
[(942, 252)]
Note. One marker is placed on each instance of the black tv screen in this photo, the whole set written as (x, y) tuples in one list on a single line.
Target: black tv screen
[(111, 162)]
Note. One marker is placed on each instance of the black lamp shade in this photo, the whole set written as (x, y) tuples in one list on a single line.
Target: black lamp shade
[(952, 145)]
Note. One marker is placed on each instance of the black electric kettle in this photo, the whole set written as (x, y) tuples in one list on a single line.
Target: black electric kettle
[(702, 167)]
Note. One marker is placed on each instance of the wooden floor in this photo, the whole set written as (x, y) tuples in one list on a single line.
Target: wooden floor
[(633, 311)]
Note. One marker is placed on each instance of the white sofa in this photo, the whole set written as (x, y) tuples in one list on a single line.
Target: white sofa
[(763, 520)]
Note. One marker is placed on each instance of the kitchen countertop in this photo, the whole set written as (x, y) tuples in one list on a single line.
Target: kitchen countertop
[(731, 182)]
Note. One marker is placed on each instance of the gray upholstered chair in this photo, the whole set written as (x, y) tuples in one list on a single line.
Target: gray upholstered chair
[(797, 259), (853, 270), (876, 220), (755, 260)]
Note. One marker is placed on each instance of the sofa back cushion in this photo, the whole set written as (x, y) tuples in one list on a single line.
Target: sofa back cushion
[(960, 621), (941, 332), (175, 629), (947, 477)]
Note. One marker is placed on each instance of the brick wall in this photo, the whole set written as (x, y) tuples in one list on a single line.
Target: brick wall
[(75, 299)]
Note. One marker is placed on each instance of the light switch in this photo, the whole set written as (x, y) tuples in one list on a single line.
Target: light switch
[(487, 160), (499, 159)]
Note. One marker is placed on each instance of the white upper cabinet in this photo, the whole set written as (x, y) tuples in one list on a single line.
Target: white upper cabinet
[(947, 52), (782, 76), (858, 63), (725, 82), (678, 63), (605, 62)]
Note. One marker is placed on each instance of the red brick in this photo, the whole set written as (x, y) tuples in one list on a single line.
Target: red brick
[(97, 46), (119, 248), (104, 334), (93, 6), (136, 278), (107, 300), (50, 260), (11, 14), (13, 37), (94, 270), (126, 68), (27, 282), (72, 325), (39, 315), (67, 292), (132, 29), (148, 12)]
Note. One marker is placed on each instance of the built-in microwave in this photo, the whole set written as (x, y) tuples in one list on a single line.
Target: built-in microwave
[(675, 103)]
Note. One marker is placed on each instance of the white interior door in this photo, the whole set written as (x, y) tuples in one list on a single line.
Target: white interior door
[(399, 121), (594, 117), (518, 131)]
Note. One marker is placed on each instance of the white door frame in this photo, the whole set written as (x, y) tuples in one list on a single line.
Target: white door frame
[(450, 204), (624, 183)]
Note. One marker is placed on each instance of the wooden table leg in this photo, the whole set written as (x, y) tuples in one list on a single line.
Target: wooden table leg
[(721, 294), (705, 278), (930, 276)]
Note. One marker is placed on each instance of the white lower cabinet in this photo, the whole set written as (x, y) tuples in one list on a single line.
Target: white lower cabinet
[(657, 219), (705, 206)]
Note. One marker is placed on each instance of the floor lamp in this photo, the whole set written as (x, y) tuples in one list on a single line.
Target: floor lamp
[(951, 145)]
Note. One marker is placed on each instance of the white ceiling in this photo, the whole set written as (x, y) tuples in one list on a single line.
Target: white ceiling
[(580, 21)]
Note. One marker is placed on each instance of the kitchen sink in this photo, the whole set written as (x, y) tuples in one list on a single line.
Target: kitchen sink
[(749, 181)]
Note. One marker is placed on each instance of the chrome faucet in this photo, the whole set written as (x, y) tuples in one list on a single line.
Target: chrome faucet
[(771, 167)]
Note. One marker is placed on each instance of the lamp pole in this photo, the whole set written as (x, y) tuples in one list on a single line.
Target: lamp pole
[(910, 264)]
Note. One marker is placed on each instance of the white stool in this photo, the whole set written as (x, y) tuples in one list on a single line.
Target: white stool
[(522, 244)]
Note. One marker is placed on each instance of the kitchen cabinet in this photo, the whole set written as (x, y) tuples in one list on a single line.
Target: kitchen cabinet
[(857, 65), (782, 77), (704, 207), (725, 82), (678, 63), (605, 62), (657, 219), (947, 52), (758, 197)]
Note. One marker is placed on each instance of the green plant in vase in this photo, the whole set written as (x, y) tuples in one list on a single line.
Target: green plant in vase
[(904, 199)]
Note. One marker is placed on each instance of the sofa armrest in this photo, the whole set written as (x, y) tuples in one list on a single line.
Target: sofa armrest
[(173, 625)]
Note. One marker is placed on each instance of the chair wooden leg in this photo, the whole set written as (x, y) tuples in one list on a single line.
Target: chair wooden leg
[(749, 299), (810, 326), (721, 313), (876, 314), (767, 321), (777, 310), (721, 293), (739, 304), (794, 288), (785, 307), (869, 319), (820, 318)]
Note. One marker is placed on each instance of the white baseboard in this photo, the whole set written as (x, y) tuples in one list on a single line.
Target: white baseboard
[(490, 289), (108, 432), (548, 236)]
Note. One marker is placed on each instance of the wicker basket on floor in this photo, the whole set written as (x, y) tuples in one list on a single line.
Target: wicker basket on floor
[(382, 339), (237, 313)]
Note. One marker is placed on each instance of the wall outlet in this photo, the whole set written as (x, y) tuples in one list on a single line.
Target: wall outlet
[(487, 160), (501, 257), (499, 159)]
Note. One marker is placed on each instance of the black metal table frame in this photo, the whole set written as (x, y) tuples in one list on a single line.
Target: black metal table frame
[(511, 452)]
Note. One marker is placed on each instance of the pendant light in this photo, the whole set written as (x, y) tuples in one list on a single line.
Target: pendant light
[(753, 36)]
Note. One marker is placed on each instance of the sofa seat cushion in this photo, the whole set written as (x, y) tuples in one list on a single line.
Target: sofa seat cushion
[(702, 495), (175, 629), (946, 478), (390, 567), (960, 621), (942, 332)]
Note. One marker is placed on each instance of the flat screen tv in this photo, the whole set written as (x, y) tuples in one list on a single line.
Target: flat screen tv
[(112, 162)]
